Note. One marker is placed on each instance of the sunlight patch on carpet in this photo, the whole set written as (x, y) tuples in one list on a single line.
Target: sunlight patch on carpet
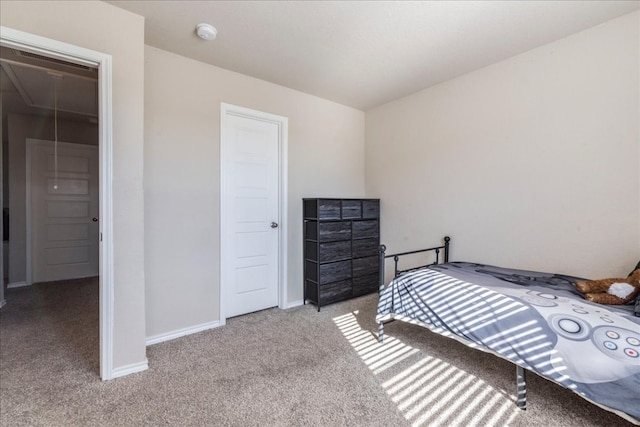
[(428, 391)]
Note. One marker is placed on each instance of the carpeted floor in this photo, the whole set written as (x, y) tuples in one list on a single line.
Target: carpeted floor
[(294, 367)]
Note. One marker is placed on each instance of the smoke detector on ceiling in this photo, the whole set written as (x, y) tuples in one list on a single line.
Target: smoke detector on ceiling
[(206, 31)]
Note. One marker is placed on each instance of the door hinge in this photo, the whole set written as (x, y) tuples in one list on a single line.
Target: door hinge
[(101, 237)]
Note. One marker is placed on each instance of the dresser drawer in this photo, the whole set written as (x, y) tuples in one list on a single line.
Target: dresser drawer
[(328, 252), (365, 284), (370, 209), (336, 291), (331, 231), (365, 247), (334, 271), (329, 209), (365, 229), (365, 266), (351, 209)]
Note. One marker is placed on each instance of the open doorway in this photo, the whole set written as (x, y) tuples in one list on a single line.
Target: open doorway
[(50, 196), (51, 201), (82, 121)]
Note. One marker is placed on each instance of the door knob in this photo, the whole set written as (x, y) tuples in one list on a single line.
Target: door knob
[(94, 219), (274, 225)]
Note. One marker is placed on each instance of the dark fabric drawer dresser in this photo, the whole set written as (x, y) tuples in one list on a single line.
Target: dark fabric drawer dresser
[(341, 240)]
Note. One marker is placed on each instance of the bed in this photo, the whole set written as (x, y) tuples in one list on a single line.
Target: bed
[(536, 320)]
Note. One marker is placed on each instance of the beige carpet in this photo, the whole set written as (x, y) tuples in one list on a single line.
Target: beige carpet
[(272, 368)]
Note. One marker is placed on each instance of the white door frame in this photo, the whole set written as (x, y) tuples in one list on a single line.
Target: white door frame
[(54, 49), (283, 125)]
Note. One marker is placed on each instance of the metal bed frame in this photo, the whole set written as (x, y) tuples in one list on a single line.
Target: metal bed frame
[(521, 383)]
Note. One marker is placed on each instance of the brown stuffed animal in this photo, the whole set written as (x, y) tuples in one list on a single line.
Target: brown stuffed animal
[(611, 291)]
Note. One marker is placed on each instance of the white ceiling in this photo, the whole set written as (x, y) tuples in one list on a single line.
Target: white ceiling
[(364, 53)]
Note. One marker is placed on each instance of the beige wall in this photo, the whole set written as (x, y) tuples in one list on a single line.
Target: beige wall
[(21, 127), (107, 29), (533, 162), (182, 177)]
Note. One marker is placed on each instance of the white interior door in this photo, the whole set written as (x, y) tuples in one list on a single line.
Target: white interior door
[(64, 211), (251, 215)]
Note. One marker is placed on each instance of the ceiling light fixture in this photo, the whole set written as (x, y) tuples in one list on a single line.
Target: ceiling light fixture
[(206, 31)]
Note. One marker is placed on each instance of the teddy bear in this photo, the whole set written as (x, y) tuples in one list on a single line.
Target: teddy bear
[(611, 291)]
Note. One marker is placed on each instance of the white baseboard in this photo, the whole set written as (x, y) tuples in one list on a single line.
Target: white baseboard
[(294, 304), (16, 285), (168, 336), (130, 369)]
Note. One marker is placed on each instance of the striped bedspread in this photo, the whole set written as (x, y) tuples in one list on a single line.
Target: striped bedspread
[(535, 320)]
